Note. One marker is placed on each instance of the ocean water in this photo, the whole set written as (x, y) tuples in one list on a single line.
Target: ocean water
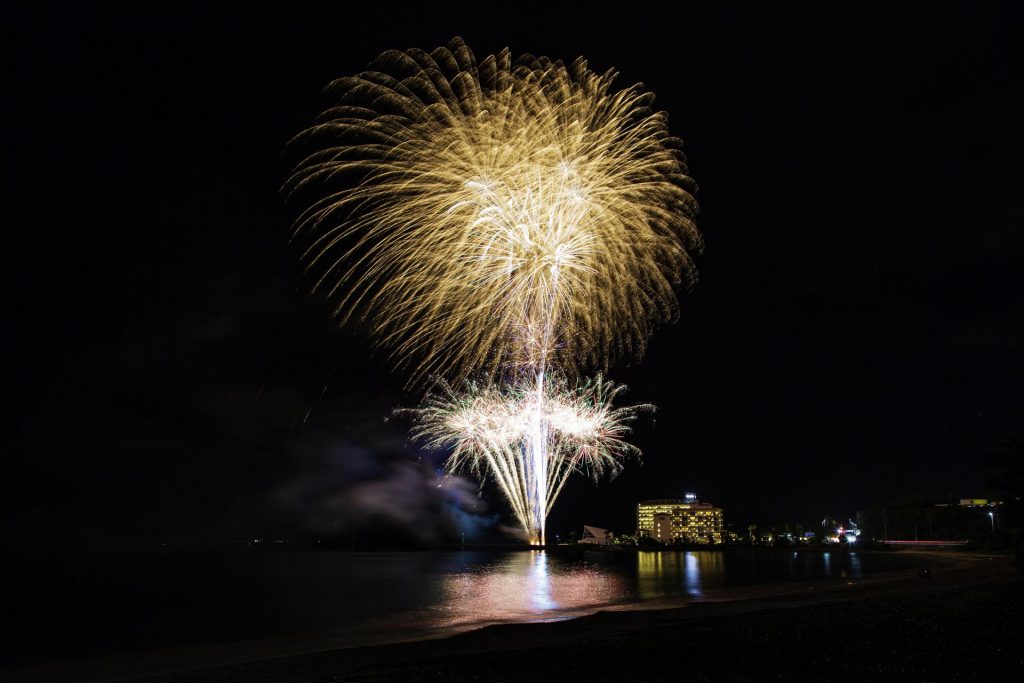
[(61, 608)]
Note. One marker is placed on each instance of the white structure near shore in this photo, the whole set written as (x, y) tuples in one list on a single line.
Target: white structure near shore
[(597, 536)]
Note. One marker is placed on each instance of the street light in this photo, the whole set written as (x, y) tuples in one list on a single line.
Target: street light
[(992, 518)]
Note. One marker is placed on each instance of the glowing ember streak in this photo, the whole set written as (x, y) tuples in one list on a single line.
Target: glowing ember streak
[(487, 427), (485, 214), (515, 220)]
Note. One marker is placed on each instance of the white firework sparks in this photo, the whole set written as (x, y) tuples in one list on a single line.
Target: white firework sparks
[(487, 428)]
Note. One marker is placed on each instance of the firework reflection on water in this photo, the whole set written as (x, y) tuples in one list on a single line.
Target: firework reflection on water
[(328, 600), (527, 587)]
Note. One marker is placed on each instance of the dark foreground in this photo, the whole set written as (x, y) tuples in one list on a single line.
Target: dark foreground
[(962, 624)]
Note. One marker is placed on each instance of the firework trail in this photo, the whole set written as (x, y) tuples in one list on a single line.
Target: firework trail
[(484, 427), (512, 220)]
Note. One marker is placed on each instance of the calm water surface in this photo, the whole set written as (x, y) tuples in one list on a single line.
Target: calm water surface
[(97, 606)]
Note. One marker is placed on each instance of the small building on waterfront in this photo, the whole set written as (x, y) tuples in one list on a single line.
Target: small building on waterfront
[(672, 520), (597, 536)]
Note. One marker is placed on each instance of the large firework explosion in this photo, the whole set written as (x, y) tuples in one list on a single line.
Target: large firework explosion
[(511, 220)]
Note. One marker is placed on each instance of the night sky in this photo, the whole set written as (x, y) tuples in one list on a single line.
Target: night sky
[(857, 335)]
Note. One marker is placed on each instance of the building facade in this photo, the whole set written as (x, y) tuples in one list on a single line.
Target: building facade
[(673, 520)]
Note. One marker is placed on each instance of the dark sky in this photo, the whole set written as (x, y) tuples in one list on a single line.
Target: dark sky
[(857, 335)]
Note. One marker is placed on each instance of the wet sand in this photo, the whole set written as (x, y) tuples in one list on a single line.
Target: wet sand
[(960, 623)]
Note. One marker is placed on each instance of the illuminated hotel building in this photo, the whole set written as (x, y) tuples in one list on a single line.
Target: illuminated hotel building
[(686, 520)]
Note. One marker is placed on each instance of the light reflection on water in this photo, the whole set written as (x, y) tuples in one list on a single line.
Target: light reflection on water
[(474, 589), (541, 582), (364, 598), (673, 574), (855, 570), (693, 573), (526, 586), (534, 586), (539, 586)]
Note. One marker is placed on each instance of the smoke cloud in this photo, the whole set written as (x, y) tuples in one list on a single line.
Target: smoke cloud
[(376, 486)]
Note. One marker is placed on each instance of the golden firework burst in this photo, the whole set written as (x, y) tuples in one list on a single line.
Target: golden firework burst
[(486, 213)]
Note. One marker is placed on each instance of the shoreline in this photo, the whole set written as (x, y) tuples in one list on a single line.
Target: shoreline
[(242, 660)]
